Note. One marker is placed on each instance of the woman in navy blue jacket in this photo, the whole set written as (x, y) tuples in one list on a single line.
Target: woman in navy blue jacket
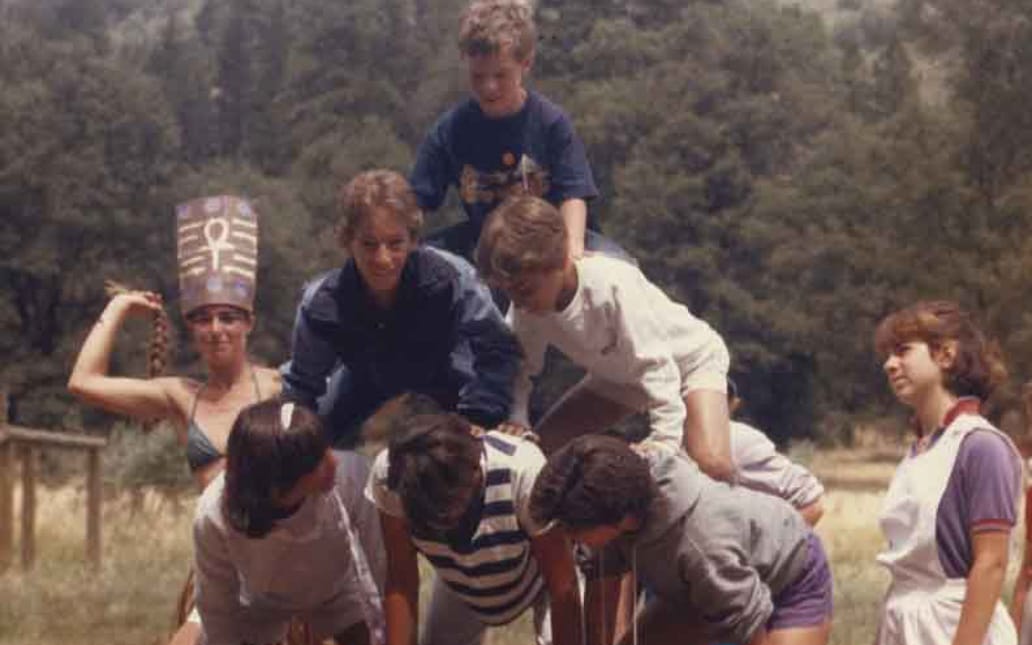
[(397, 317)]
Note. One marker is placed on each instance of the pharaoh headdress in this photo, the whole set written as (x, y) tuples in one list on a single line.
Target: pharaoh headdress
[(217, 251)]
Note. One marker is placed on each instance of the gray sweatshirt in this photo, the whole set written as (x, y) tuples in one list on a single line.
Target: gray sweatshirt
[(720, 552)]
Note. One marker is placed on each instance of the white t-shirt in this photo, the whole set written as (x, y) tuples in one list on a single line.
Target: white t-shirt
[(624, 330)]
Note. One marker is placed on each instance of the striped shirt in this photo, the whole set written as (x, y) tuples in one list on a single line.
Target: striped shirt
[(494, 571)]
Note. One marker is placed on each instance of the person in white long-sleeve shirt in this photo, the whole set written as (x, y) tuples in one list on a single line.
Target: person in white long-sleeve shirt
[(759, 466), (286, 532), (642, 350)]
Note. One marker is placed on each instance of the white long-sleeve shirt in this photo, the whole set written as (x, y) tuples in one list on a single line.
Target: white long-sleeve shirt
[(624, 330), (761, 467), (306, 566)]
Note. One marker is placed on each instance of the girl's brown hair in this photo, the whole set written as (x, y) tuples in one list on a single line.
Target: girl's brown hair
[(977, 367), (375, 190), (265, 459), (430, 463)]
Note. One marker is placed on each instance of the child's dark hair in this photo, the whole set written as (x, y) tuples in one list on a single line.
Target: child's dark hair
[(391, 419), (264, 460), (978, 364), (592, 481), (524, 234), (434, 458)]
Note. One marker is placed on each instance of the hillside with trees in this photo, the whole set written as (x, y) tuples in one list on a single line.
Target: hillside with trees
[(791, 175)]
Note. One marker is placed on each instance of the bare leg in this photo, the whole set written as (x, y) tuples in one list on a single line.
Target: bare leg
[(580, 411), (707, 433)]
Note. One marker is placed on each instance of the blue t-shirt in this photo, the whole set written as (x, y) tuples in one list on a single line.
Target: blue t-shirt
[(533, 151)]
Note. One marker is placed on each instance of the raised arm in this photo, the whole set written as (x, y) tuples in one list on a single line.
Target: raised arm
[(90, 380), (401, 592)]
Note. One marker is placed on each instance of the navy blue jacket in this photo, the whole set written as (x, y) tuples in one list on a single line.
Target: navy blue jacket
[(444, 337)]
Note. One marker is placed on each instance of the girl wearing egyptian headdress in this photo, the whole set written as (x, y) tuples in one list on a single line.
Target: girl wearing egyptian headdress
[(217, 253)]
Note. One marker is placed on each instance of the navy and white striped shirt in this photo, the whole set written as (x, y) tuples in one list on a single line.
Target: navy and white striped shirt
[(494, 572)]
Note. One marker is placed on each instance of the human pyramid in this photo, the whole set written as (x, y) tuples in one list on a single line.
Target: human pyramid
[(699, 533)]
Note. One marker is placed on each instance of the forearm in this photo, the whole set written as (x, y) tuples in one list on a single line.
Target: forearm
[(401, 614), (600, 601), (1017, 608), (813, 512), (984, 583), (575, 215), (566, 617)]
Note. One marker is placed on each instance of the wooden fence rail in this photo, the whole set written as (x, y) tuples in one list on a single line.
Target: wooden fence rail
[(27, 443)]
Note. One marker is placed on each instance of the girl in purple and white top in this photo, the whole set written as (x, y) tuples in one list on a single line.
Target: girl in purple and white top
[(953, 500)]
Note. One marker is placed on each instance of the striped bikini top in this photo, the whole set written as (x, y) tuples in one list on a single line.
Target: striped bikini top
[(494, 571)]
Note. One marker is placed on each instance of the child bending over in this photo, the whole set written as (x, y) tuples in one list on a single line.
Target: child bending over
[(641, 349), (462, 501), (286, 532), (722, 562)]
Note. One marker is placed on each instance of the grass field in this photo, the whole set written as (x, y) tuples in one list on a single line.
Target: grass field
[(146, 550)]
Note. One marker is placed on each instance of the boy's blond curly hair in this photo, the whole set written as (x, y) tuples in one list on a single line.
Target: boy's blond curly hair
[(488, 26)]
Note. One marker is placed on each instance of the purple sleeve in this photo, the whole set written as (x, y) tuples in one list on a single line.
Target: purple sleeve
[(981, 495), (990, 479)]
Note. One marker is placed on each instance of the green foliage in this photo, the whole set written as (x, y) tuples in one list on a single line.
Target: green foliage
[(790, 183)]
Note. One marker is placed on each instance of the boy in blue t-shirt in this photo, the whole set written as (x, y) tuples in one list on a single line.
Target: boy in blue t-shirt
[(504, 139)]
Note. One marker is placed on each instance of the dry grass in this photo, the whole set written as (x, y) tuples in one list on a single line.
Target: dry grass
[(146, 552)]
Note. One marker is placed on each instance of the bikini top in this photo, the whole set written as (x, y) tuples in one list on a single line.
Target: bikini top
[(200, 451)]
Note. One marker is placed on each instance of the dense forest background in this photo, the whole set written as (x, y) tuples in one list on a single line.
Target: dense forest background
[(792, 173)]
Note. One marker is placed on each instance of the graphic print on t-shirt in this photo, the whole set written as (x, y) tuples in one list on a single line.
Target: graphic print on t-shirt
[(526, 177)]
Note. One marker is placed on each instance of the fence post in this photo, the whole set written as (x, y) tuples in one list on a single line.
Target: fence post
[(7, 464), (93, 495), (6, 488), (28, 523)]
